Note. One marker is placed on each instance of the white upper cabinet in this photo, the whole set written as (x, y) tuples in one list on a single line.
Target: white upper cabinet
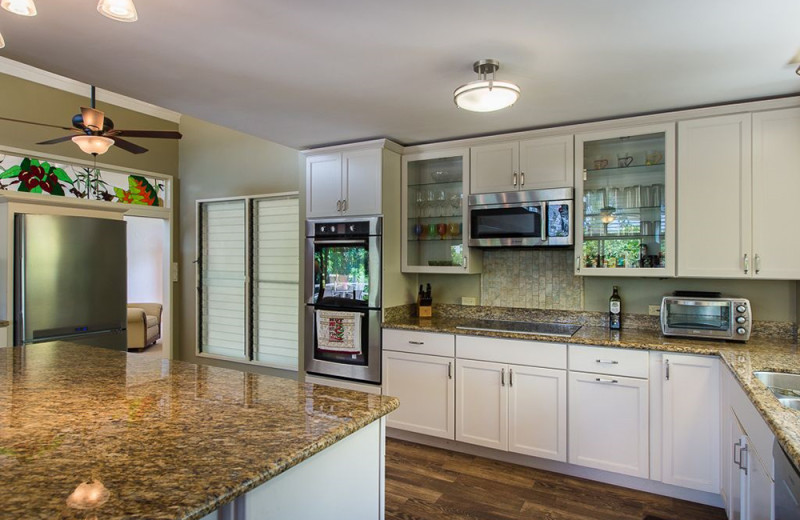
[(738, 182), (714, 208), (539, 163), (776, 189), (347, 182)]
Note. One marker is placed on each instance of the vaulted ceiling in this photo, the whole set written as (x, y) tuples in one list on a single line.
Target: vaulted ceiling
[(311, 72)]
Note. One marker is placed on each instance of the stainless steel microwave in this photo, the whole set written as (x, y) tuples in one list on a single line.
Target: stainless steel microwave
[(718, 318), (521, 218)]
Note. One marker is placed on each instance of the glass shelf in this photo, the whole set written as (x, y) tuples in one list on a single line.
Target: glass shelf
[(622, 237), (437, 219), (632, 169), (436, 239), (443, 184), (626, 211)]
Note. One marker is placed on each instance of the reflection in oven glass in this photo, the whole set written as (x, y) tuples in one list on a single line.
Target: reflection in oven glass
[(341, 273)]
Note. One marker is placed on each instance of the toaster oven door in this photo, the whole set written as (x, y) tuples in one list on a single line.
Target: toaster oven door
[(697, 317)]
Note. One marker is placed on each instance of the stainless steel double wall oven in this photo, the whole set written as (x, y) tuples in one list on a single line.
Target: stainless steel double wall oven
[(343, 280)]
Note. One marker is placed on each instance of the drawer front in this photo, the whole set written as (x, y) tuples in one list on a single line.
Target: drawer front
[(430, 343), (611, 361), (513, 351)]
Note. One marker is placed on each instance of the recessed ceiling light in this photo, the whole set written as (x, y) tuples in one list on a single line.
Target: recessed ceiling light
[(120, 10), (21, 7), (486, 95)]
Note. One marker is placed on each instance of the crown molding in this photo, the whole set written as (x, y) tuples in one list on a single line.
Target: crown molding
[(29, 73)]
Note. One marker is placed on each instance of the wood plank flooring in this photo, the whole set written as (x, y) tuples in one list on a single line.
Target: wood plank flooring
[(424, 483)]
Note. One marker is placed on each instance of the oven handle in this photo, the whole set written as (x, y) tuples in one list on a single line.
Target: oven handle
[(339, 242), (543, 218)]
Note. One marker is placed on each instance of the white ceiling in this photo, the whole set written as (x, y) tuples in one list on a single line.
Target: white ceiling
[(309, 72)]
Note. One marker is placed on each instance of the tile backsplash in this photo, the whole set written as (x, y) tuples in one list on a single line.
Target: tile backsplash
[(531, 279)]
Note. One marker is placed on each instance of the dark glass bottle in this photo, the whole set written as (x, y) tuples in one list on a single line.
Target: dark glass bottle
[(615, 310)]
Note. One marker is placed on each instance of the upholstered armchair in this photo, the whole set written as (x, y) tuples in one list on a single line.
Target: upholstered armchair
[(144, 324)]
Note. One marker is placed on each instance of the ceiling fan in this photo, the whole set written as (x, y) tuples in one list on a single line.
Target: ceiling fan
[(94, 133)]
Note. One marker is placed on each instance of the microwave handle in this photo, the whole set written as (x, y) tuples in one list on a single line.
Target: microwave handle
[(543, 234)]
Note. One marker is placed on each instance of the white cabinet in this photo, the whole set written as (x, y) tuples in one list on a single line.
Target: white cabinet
[(743, 170), (690, 421), (714, 175), (482, 404), (539, 163), (608, 423), (347, 182), (776, 185), (425, 386), (537, 412)]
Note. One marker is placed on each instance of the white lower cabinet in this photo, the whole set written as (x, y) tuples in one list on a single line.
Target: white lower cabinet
[(608, 423), (425, 386), (690, 421), (482, 403)]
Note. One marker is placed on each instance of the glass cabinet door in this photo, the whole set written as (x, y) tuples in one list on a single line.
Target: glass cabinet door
[(625, 193), (434, 205)]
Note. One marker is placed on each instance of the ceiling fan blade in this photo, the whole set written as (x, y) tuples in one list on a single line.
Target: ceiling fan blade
[(155, 134), (57, 140), (34, 123), (127, 145), (92, 118)]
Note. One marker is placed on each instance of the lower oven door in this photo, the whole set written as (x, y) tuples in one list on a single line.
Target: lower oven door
[(343, 342)]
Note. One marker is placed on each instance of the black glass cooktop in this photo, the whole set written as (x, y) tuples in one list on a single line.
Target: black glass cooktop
[(564, 330)]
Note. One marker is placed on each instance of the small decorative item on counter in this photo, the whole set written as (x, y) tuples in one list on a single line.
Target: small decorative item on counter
[(424, 302), (615, 310)]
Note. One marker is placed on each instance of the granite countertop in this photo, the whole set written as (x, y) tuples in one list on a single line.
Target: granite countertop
[(759, 353), (167, 439)]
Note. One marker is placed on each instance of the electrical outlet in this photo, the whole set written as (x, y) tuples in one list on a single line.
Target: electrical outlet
[(654, 310), (468, 300)]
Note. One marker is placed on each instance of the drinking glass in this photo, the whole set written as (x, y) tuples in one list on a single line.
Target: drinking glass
[(442, 230)]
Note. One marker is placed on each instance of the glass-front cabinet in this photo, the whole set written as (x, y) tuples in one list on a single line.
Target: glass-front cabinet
[(434, 206), (625, 202)]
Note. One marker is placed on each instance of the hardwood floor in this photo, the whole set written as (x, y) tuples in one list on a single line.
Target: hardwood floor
[(424, 483)]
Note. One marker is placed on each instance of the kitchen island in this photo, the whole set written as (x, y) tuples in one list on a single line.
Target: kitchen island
[(95, 433)]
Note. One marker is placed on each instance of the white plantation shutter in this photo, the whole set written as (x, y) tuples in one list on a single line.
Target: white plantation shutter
[(223, 239), (276, 276)]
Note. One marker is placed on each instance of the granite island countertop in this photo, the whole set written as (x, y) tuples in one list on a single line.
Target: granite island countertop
[(759, 353), (167, 439)]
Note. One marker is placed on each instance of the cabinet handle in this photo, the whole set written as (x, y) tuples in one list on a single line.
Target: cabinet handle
[(338, 205), (603, 380), (522, 178), (417, 342), (510, 377), (737, 462), (608, 361), (502, 377), (344, 205), (666, 362), (578, 263), (742, 454), (449, 370), (464, 262), (584, 174), (746, 264), (758, 264), (515, 178)]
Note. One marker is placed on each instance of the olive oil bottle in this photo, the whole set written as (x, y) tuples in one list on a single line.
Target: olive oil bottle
[(615, 310)]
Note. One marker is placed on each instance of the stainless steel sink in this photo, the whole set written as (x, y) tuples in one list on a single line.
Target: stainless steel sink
[(786, 387)]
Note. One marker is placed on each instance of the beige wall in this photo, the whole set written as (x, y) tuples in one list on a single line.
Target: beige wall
[(22, 99), (218, 162)]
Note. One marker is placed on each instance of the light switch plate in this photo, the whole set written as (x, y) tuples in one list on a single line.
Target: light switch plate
[(468, 300), (654, 310)]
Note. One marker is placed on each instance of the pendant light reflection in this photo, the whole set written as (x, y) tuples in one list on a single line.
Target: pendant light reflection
[(20, 7), (120, 10), (486, 95), (606, 214), (93, 144)]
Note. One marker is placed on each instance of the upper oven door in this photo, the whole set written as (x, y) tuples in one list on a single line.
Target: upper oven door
[(344, 272), (517, 224)]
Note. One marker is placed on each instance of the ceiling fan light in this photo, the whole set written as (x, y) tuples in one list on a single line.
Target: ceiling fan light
[(486, 96), (20, 7), (93, 144), (120, 10)]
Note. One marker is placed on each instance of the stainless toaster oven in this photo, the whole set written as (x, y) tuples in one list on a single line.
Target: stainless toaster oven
[(717, 318)]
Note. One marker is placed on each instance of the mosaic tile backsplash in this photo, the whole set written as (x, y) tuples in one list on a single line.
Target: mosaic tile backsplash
[(531, 279)]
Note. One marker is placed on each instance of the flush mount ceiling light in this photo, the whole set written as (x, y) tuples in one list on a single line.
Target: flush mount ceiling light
[(120, 10), (21, 7), (93, 144), (486, 95)]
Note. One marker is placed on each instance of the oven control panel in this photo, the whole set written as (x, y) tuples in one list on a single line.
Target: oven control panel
[(341, 229)]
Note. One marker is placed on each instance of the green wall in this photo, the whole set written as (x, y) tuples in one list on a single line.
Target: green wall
[(218, 162), (22, 99)]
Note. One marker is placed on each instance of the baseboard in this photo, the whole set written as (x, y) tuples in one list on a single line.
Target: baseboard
[(640, 484)]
